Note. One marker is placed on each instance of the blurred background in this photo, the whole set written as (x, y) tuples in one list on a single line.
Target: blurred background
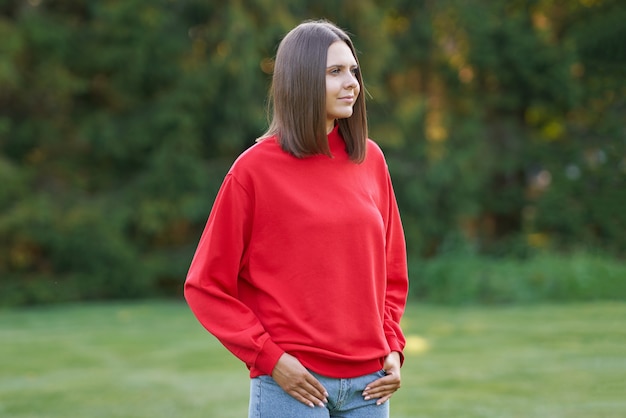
[(502, 123)]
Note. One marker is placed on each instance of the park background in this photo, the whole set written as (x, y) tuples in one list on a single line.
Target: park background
[(503, 127), (502, 123)]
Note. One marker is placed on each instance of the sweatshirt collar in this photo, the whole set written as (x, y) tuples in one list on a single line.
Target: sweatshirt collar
[(336, 144)]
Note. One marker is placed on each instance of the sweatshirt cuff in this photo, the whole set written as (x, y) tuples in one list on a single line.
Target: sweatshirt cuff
[(268, 357)]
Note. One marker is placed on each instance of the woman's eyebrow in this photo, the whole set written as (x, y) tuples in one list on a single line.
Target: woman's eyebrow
[(343, 66)]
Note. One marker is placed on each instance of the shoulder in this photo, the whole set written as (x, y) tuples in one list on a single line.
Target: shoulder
[(264, 155), (374, 147), (375, 154), (255, 155)]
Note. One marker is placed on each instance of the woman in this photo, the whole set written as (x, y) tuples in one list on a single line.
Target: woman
[(301, 269)]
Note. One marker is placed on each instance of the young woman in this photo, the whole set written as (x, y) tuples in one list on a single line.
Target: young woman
[(301, 270)]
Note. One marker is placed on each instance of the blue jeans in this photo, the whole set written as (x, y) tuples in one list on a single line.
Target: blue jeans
[(268, 400)]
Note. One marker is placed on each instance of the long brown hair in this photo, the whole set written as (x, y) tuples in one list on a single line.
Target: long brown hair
[(297, 97)]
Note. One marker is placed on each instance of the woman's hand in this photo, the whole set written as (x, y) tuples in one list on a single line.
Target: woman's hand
[(296, 380), (383, 388)]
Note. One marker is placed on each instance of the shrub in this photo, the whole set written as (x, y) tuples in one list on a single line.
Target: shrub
[(544, 277)]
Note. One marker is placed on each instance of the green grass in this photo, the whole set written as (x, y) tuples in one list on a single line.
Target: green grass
[(153, 360)]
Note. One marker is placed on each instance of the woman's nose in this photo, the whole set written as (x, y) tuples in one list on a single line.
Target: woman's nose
[(351, 81)]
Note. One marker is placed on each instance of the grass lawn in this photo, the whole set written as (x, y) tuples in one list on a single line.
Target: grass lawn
[(152, 359)]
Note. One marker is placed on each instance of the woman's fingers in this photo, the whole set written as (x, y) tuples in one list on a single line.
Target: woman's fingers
[(383, 388), (308, 394), (296, 380)]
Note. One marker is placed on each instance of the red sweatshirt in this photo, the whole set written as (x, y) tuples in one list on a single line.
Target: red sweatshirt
[(305, 256)]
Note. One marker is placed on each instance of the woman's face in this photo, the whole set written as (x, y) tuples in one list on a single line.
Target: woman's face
[(342, 86)]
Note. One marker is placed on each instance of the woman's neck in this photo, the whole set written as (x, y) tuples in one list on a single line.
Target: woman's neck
[(330, 125)]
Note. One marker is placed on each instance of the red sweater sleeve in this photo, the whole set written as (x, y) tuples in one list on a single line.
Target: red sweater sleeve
[(211, 287), (397, 275)]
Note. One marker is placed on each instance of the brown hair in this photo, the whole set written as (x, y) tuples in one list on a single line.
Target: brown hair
[(298, 94)]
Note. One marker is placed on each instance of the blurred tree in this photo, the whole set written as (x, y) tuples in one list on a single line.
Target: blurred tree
[(502, 123), (583, 207)]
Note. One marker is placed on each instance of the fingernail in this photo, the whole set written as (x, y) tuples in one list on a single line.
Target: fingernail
[(311, 405), (326, 394), (367, 388), (367, 398)]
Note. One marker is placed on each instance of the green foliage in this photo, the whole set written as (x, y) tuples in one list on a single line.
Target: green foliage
[(502, 123), (540, 278)]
